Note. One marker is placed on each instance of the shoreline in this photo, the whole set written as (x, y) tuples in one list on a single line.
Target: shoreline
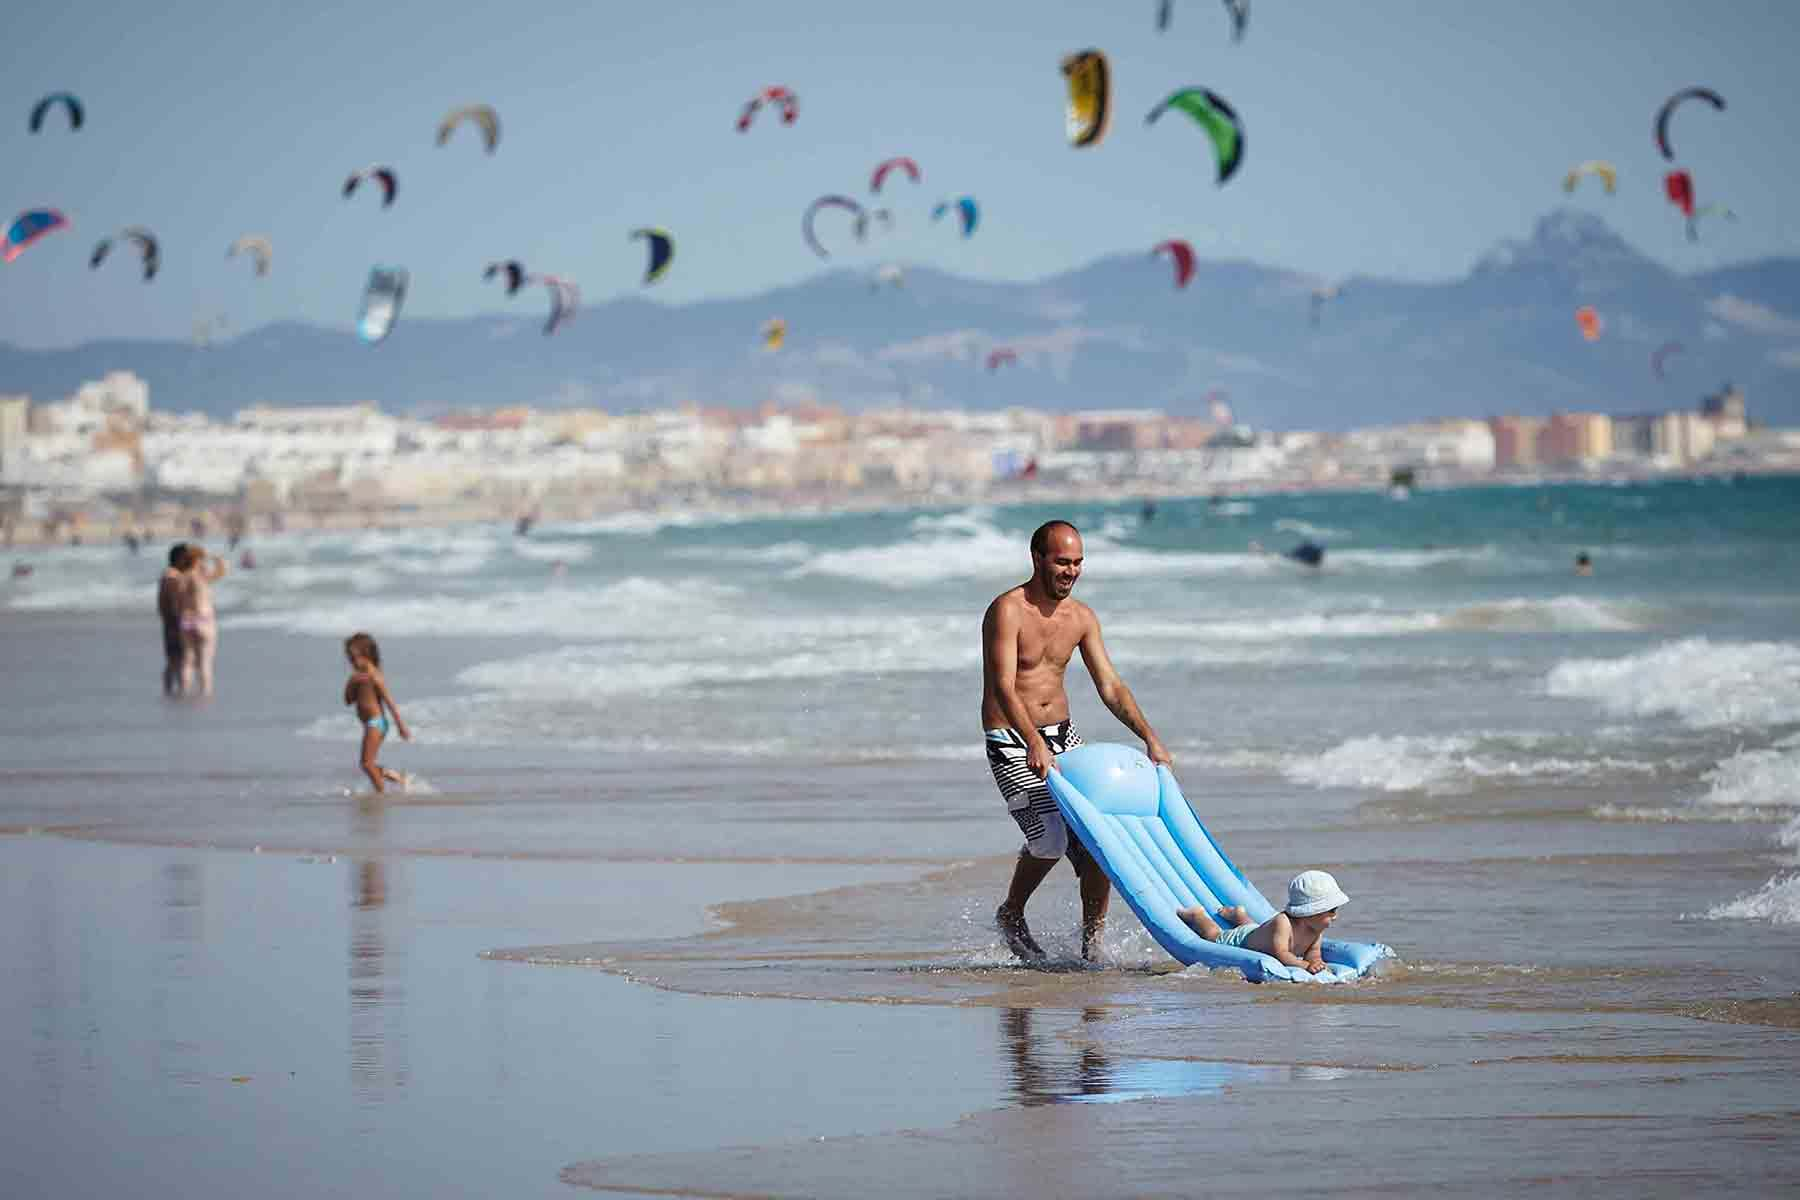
[(168, 521)]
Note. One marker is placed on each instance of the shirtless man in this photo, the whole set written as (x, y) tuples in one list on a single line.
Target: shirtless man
[(168, 607), (1027, 639)]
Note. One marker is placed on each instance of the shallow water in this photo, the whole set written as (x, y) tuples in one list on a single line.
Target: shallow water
[(701, 860)]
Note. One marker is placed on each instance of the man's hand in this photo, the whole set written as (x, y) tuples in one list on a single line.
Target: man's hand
[(1038, 756), (1154, 748)]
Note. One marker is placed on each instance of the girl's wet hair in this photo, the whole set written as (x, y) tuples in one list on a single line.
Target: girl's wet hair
[(363, 646)]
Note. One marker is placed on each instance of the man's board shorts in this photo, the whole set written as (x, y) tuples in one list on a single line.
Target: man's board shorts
[(1027, 797), (172, 639)]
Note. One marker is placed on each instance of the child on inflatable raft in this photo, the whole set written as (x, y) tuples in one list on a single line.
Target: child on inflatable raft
[(1294, 935)]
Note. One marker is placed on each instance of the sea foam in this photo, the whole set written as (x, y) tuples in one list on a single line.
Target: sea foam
[(1702, 683), (1777, 902), (1455, 764)]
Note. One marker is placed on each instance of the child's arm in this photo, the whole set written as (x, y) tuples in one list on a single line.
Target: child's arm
[(387, 700), (1281, 945)]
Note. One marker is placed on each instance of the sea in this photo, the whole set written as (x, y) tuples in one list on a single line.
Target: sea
[(691, 891)]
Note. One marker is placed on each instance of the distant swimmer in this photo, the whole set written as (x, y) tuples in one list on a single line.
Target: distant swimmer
[(1583, 564), (247, 560), (1028, 636), (22, 570), (375, 709), (522, 526), (1307, 554), (1149, 511)]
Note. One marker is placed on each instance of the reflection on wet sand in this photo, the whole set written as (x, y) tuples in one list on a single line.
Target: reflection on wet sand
[(378, 1058), (181, 903)]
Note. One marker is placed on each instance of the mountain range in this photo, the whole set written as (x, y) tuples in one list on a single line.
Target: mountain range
[(1113, 334)]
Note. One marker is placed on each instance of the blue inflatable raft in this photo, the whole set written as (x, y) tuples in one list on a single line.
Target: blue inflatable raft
[(1134, 819)]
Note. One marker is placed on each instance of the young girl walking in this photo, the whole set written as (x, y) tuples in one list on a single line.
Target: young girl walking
[(367, 690)]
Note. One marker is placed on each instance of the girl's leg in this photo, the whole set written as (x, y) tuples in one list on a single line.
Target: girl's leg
[(209, 647), (190, 659), (371, 746)]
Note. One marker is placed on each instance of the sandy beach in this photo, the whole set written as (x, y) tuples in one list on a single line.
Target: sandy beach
[(693, 893)]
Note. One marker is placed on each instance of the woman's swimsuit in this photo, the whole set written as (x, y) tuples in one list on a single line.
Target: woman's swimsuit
[(379, 723)]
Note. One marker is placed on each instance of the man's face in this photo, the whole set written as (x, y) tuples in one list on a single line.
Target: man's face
[(1060, 565)]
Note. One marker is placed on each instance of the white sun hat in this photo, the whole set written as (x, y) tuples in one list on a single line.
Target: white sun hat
[(1313, 892)]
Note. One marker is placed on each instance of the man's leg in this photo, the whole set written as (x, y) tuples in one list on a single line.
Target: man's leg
[(1096, 892), (1028, 872)]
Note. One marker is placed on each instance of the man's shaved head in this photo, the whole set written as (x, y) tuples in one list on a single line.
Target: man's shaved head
[(1040, 537)]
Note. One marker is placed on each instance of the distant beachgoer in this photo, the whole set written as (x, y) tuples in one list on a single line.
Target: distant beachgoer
[(247, 560), (132, 542), (1293, 935), (1148, 512), (199, 623), (1307, 554), (168, 607), (22, 570), (1027, 638), (197, 526), (1583, 564), (522, 527), (367, 689)]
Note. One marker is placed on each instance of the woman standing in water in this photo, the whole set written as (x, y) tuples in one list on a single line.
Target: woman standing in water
[(199, 624)]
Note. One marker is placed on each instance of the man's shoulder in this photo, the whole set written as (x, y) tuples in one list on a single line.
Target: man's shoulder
[(1012, 597)]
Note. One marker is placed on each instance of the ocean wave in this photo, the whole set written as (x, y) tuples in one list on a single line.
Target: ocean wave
[(1702, 683), (981, 553), (1756, 779), (1454, 764), (779, 552), (547, 551), (634, 606), (1412, 560), (98, 596), (1777, 902), (1308, 529), (732, 651), (1558, 614), (644, 524)]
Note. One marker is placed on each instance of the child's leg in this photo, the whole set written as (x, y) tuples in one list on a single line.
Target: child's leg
[(370, 747), (1201, 922)]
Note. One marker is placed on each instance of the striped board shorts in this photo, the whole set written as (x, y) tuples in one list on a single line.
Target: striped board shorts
[(1027, 798)]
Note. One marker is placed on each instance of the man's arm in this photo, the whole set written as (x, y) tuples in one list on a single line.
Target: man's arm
[(1000, 665), (1114, 694)]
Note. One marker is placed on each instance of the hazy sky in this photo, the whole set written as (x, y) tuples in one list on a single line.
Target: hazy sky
[(1392, 137)]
